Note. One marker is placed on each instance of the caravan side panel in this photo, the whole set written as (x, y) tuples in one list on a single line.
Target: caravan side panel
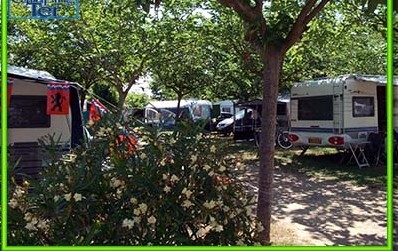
[(60, 125), (360, 108), (316, 111)]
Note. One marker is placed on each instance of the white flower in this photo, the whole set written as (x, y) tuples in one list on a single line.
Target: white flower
[(133, 201), (42, 224), (240, 243), (174, 178), (77, 197), (194, 158), (13, 203), (213, 149), (211, 173), (203, 231), (30, 226), (260, 227), (209, 205), (137, 219), (249, 210), (137, 211), (206, 167), (34, 221), (68, 196), (222, 169), (28, 216), (167, 189), (128, 223), (143, 156), (165, 176), (240, 166), (19, 192), (163, 162), (56, 198), (152, 220), (116, 182), (219, 228), (187, 192), (143, 207), (219, 202), (187, 203), (212, 220), (119, 192)]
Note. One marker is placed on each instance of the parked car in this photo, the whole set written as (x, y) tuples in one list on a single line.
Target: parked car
[(226, 126)]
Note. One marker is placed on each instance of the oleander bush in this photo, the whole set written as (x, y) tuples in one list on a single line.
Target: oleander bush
[(171, 188)]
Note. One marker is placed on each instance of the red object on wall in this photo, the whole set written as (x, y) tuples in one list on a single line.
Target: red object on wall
[(10, 83), (57, 99)]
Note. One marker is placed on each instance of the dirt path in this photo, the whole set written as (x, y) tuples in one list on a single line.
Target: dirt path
[(322, 211)]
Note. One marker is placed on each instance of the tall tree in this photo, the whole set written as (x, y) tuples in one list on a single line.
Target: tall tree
[(183, 58), (122, 45), (272, 28)]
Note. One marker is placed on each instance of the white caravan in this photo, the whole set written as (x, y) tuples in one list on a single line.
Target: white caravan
[(338, 111), (165, 112), (28, 121)]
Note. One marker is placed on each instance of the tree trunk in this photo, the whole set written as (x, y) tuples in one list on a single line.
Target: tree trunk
[(179, 98), (122, 99), (272, 60), (82, 98)]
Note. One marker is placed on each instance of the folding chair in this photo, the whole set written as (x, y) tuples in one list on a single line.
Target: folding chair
[(377, 147)]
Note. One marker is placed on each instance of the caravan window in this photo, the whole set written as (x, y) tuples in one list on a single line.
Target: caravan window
[(202, 111), (363, 107), (281, 109), (28, 112), (226, 109), (152, 115), (315, 108)]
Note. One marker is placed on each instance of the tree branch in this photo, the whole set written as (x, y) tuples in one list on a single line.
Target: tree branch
[(244, 10), (308, 12)]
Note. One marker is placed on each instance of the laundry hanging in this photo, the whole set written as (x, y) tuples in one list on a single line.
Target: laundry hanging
[(97, 110)]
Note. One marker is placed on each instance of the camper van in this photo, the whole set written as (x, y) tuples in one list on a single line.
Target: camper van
[(28, 120), (338, 111), (165, 112), (248, 120)]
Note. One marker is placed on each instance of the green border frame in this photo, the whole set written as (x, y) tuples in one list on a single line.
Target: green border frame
[(390, 146)]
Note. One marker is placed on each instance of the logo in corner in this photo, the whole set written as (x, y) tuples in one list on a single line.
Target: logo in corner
[(43, 9)]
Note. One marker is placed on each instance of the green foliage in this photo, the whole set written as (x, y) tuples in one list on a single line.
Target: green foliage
[(340, 41), (135, 100), (172, 189), (105, 92), (182, 59)]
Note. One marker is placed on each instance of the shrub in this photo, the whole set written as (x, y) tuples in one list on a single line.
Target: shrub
[(175, 188)]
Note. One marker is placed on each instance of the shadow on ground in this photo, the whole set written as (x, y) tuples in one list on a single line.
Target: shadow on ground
[(327, 211)]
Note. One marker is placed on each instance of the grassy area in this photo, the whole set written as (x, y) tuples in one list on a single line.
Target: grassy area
[(316, 162)]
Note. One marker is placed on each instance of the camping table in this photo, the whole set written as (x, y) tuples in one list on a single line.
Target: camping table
[(357, 152)]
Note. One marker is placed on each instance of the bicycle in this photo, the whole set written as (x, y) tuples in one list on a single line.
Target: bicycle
[(281, 138)]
